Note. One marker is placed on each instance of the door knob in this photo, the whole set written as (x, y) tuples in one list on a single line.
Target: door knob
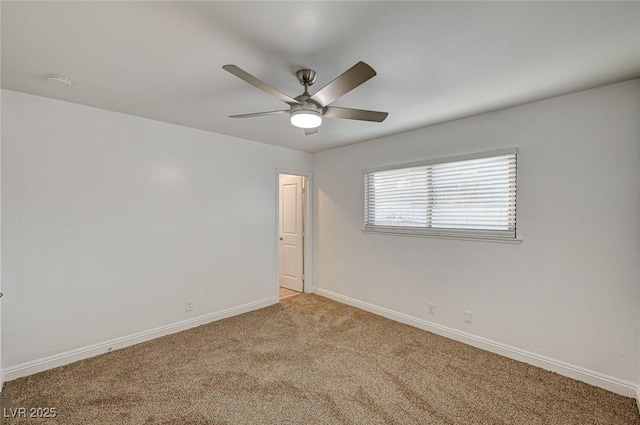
[(280, 238)]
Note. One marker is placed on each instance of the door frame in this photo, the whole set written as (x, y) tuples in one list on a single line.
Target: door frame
[(308, 285)]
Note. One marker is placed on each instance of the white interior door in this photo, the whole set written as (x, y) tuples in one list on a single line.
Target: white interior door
[(291, 232)]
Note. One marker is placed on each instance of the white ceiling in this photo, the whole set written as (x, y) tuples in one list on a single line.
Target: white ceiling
[(436, 61)]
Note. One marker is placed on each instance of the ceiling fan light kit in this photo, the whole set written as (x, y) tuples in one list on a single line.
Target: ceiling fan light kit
[(305, 118), (306, 111)]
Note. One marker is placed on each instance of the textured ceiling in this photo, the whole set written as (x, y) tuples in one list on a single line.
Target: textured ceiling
[(436, 61)]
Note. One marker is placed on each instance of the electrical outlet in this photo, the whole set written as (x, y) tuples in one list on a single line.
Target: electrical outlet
[(467, 316), (432, 308), (188, 305)]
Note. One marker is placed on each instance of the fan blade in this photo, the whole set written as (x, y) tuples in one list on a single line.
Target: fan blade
[(244, 75), (354, 114), (349, 80), (310, 131), (258, 114)]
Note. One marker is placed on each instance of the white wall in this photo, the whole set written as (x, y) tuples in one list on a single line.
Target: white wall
[(111, 222), (1, 371), (569, 291)]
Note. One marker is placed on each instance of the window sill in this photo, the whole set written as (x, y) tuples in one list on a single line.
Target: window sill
[(512, 241)]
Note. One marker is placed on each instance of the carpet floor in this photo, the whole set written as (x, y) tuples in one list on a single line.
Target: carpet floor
[(310, 360)]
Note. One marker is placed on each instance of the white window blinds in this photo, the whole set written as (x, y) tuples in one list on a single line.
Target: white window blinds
[(471, 197)]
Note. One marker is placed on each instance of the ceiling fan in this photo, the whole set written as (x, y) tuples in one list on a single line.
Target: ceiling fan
[(306, 111)]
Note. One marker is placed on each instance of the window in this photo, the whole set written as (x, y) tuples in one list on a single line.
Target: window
[(472, 196)]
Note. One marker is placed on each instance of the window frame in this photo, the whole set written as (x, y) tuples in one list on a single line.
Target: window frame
[(464, 234)]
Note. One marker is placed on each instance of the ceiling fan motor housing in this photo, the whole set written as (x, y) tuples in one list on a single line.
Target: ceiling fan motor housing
[(306, 104)]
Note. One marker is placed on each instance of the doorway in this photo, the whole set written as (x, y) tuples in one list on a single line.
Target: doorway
[(292, 233)]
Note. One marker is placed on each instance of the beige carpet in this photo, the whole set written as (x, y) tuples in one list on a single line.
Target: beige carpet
[(311, 361)]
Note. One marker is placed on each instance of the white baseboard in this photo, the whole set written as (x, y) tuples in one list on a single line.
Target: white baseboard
[(618, 386), (40, 365)]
